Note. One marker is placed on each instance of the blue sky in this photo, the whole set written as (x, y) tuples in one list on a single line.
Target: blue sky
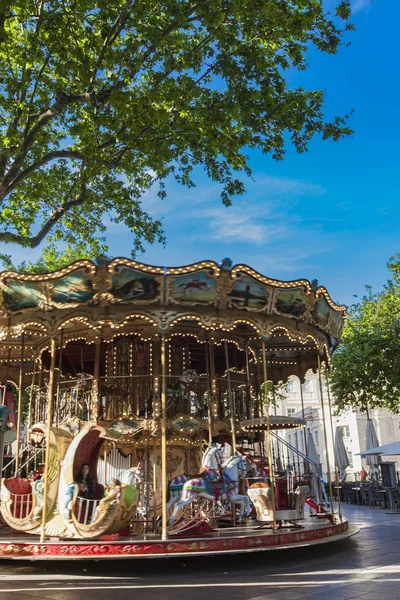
[(331, 214)]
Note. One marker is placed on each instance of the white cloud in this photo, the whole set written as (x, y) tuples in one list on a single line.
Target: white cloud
[(359, 5), (266, 218), (243, 224), (283, 186)]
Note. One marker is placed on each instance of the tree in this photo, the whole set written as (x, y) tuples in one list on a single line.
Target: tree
[(102, 100), (366, 367)]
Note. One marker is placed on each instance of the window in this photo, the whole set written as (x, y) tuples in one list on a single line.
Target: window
[(308, 386), (350, 457), (290, 387), (291, 412), (345, 429), (316, 437)]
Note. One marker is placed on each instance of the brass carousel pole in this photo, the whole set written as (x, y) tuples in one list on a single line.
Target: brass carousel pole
[(2, 402), (59, 375), (306, 464), (303, 411), (250, 407), (105, 454), (31, 392), (232, 418), (230, 399), (95, 403), (155, 486), (164, 533), (214, 403), (6, 374), (334, 447), (20, 397), (49, 422), (269, 441), (210, 398), (38, 409), (325, 437)]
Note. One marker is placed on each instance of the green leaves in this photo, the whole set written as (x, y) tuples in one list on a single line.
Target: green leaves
[(366, 366), (95, 95), (344, 10)]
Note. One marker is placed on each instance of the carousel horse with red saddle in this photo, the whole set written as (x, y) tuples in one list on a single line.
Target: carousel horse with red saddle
[(216, 482)]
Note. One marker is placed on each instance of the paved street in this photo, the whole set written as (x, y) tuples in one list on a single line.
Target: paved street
[(366, 566)]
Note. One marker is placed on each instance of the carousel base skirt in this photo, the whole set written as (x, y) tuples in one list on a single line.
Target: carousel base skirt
[(241, 539)]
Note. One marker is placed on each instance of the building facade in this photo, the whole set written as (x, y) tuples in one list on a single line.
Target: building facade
[(352, 423)]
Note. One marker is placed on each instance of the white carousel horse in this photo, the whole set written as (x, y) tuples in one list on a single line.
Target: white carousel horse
[(210, 466), (227, 488), (133, 476)]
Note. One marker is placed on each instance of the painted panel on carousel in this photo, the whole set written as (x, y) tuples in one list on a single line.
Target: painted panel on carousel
[(127, 426), (336, 323), (249, 294), (292, 302), (131, 284), (185, 424), (73, 289), (175, 460), (196, 287), (18, 295), (326, 317)]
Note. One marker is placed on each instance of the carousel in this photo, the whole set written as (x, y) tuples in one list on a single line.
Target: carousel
[(142, 401)]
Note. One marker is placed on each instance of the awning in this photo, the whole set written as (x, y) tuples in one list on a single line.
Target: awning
[(385, 450)]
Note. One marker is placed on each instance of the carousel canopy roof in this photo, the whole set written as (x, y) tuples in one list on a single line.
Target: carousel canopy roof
[(89, 301), (276, 422)]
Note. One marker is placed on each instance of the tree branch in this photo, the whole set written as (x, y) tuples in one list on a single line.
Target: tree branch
[(10, 184), (113, 32), (34, 241), (63, 100)]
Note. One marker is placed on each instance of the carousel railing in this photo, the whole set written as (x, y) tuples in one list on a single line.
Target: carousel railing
[(125, 395), (21, 505), (292, 457), (26, 466), (72, 399), (134, 394), (85, 510)]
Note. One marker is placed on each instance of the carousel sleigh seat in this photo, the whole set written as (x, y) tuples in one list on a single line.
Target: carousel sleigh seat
[(295, 504), (19, 495), (283, 499), (260, 495), (22, 500), (89, 518), (92, 518)]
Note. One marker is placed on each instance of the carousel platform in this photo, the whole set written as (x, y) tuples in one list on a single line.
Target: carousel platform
[(231, 540)]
